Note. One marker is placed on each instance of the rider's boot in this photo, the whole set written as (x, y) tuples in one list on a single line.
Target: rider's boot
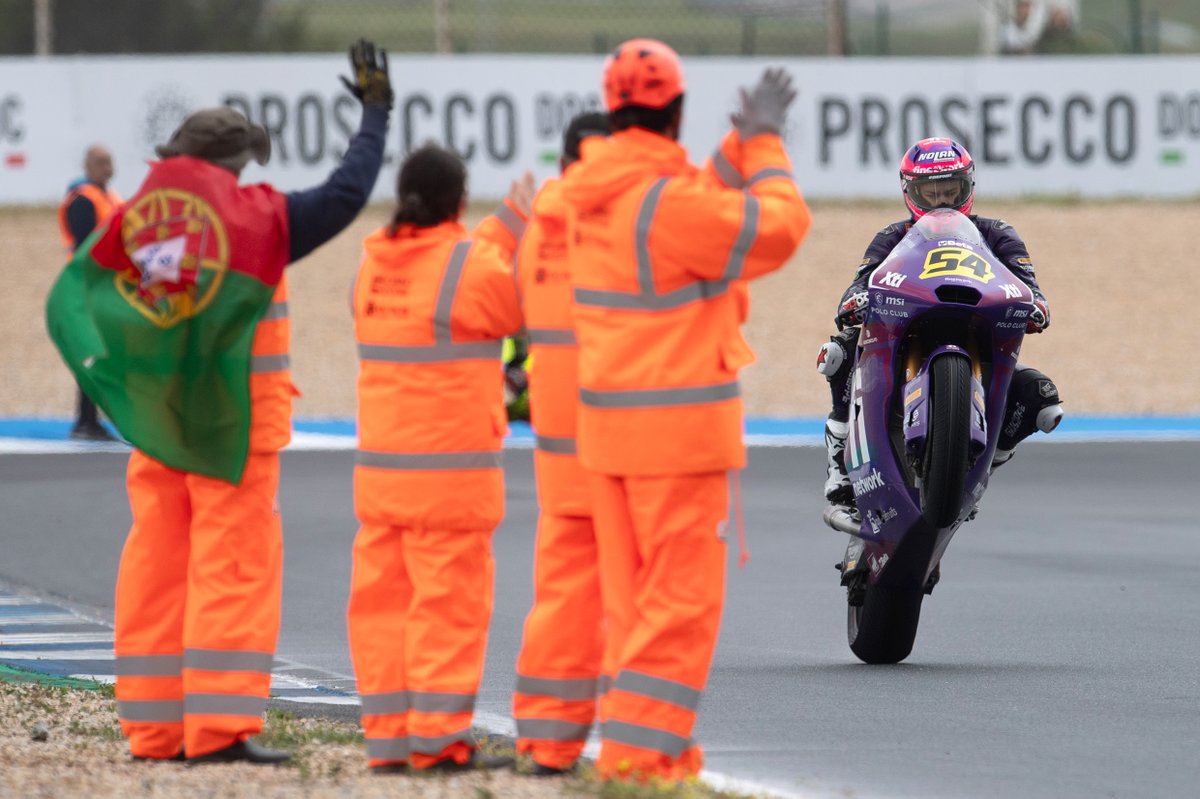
[(837, 484)]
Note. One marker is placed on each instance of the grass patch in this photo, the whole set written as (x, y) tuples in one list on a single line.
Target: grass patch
[(284, 730), (587, 785), (14, 674)]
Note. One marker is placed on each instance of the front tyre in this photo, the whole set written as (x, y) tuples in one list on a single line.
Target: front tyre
[(949, 441)]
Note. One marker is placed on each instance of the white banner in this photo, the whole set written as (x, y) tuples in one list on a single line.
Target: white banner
[(1096, 127)]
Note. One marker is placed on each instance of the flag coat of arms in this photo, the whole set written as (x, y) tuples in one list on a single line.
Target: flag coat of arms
[(155, 313)]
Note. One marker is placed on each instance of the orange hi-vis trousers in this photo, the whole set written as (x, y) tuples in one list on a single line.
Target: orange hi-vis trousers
[(198, 604), (662, 572), (420, 603), (559, 664)]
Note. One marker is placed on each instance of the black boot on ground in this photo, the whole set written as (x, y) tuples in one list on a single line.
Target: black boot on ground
[(538, 770), (242, 752)]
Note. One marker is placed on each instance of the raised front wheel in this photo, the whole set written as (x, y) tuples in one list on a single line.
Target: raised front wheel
[(949, 440)]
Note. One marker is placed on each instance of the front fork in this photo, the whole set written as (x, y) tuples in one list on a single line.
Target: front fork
[(914, 396)]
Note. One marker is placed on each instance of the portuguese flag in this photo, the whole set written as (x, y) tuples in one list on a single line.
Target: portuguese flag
[(156, 312)]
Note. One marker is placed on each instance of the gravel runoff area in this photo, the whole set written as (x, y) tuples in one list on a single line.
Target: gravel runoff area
[(65, 742), (1117, 275)]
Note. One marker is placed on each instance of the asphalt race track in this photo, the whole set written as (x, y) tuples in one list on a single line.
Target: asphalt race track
[(1057, 658)]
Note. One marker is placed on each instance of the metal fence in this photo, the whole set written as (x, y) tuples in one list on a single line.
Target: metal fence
[(694, 27)]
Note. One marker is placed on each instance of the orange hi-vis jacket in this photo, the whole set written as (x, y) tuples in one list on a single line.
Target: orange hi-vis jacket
[(431, 307), (544, 280), (105, 201), (660, 250)]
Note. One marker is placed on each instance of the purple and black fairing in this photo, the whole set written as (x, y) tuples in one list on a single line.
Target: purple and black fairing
[(940, 291)]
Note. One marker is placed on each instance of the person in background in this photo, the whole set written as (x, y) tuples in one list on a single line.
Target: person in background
[(1038, 26), (661, 253), (558, 668), (88, 204), (432, 303), (199, 587)]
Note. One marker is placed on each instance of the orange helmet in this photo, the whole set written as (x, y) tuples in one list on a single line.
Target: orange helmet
[(642, 72)]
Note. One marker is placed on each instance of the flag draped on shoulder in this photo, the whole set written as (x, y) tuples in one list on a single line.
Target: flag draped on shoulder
[(156, 312)]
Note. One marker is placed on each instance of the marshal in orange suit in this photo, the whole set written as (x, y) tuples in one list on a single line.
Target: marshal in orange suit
[(432, 303), (558, 668), (661, 255)]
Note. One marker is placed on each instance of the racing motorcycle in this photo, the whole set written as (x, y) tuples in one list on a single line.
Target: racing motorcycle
[(935, 356)]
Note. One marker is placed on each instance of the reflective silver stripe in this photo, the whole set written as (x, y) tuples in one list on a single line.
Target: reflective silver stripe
[(769, 172), (228, 660), (655, 740), (433, 746), (745, 239), (556, 445), (260, 364), (559, 688), (276, 310), (154, 710), (149, 665), (623, 301), (446, 292), (224, 704), (387, 748), (511, 220), (552, 336), (428, 460), (431, 353), (641, 236), (391, 702), (726, 171), (552, 730), (441, 702), (658, 397), (658, 688), (604, 684)]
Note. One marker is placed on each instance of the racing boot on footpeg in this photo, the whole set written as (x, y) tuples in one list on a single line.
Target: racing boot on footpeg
[(837, 485)]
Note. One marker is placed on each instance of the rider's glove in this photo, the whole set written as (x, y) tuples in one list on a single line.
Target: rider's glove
[(853, 310), (764, 108), (371, 84), (1039, 317)]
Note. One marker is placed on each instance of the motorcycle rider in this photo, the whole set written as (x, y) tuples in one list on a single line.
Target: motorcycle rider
[(935, 173)]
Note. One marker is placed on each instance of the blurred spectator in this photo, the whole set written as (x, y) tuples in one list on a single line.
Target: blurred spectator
[(88, 203), (1039, 26)]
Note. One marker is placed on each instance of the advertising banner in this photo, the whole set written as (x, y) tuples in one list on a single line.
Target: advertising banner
[(1093, 127)]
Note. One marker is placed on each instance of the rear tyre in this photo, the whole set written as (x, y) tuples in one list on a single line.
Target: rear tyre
[(949, 441), (884, 628)]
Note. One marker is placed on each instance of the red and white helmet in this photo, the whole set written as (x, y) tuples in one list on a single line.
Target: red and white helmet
[(937, 173)]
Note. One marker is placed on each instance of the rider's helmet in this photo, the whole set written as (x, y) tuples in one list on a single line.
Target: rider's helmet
[(937, 173), (642, 72)]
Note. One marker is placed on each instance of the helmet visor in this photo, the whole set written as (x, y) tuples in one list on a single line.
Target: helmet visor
[(928, 192)]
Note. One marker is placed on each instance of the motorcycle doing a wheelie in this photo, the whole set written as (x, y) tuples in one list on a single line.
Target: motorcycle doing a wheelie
[(935, 357)]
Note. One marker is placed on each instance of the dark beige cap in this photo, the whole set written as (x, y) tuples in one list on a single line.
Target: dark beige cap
[(218, 133)]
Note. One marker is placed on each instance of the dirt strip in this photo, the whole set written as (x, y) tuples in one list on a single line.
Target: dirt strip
[(1118, 277)]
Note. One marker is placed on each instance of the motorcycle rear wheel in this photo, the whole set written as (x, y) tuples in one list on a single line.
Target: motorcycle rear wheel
[(949, 441), (883, 629)]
